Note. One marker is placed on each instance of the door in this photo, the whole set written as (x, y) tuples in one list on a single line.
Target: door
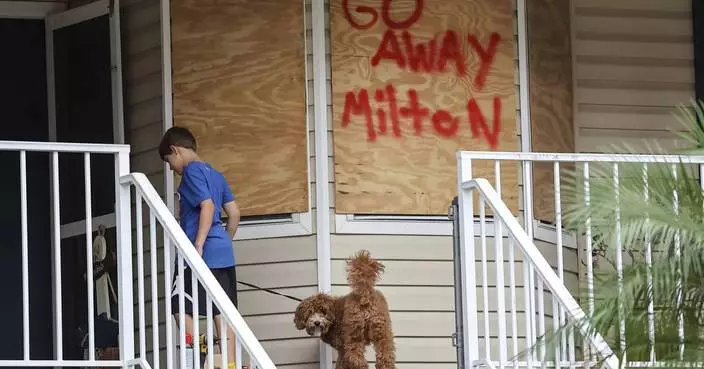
[(85, 105)]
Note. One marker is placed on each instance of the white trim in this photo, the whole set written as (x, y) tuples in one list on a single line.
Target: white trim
[(525, 121), (77, 15), (433, 226), (581, 157), (29, 9), (393, 225), (77, 228), (63, 147), (299, 224), (322, 171), (548, 233)]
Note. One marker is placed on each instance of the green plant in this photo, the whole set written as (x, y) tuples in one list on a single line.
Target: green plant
[(674, 235)]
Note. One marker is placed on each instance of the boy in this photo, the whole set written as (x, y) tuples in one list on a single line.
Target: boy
[(202, 193)]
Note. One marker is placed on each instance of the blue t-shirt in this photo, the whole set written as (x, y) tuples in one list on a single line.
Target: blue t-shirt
[(200, 182)]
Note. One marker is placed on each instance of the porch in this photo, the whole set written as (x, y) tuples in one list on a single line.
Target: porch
[(298, 246)]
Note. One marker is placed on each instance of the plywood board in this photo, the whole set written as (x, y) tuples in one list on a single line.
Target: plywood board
[(413, 83), (550, 72), (239, 85)]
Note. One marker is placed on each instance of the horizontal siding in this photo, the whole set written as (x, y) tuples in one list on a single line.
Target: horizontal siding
[(633, 63), (142, 96)]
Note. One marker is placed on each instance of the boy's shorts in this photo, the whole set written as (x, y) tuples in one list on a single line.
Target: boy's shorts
[(227, 277)]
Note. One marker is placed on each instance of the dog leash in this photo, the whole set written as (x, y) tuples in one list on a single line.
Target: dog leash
[(270, 291)]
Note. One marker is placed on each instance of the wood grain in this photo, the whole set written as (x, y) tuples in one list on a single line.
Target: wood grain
[(416, 174), (239, 85), (550, 69)]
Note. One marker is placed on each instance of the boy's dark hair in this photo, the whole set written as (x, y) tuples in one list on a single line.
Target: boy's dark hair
[(176, 136)]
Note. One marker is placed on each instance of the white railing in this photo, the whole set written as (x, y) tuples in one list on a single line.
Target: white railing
[(185, 255), (519, 322), (53, 151), (134, 347)]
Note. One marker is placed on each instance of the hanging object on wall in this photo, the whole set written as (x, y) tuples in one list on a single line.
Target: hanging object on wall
[(102, 278)]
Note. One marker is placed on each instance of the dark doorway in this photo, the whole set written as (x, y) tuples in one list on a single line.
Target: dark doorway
[(23, 110)]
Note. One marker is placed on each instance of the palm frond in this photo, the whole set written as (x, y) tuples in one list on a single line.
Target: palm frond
[(667, 224)]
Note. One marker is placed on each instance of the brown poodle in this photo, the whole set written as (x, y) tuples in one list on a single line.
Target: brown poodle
[(351, 322)]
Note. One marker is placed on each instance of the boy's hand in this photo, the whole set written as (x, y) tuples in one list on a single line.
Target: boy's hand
[(199, 248)]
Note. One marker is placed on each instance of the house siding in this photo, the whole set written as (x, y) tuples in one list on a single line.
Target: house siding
[(143, 115), (633, 63)]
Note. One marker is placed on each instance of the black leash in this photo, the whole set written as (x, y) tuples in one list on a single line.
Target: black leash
[(270, 291)]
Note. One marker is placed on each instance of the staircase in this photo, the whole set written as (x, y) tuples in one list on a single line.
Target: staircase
[(514, 286), (148, 240)]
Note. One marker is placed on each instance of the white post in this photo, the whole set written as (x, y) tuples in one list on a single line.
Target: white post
[(124, 259), (322, 224), (470, 338)]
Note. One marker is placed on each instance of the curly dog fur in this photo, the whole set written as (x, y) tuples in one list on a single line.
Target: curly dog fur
[(349, 323)]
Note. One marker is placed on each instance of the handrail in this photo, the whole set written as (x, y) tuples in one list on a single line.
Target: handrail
[(542, 267), (581, 157), (64, 147), (210, 284)]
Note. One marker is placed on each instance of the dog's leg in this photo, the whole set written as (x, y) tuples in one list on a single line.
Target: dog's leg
[(338, 362), (353, 338), (353, 356), (383, 339)]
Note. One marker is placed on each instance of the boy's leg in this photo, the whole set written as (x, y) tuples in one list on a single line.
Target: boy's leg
[(230, 340), (189, 322), (227, 278), (175, 305)]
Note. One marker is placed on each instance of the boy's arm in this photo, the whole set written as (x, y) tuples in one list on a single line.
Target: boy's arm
[(207, 209), (194, 186), (233, 217)]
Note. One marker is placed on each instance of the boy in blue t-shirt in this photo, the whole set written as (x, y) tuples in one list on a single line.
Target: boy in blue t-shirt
[(203, 192)]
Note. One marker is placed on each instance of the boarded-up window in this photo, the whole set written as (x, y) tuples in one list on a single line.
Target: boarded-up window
[(413, 82), (239, 85)]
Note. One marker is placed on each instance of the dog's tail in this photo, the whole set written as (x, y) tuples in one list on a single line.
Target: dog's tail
[(362, 275)]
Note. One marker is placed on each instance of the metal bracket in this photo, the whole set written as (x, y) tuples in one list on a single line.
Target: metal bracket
[(482, 363), (456, 340)]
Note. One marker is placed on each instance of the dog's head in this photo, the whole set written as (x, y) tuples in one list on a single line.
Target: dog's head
[(315, 314)]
